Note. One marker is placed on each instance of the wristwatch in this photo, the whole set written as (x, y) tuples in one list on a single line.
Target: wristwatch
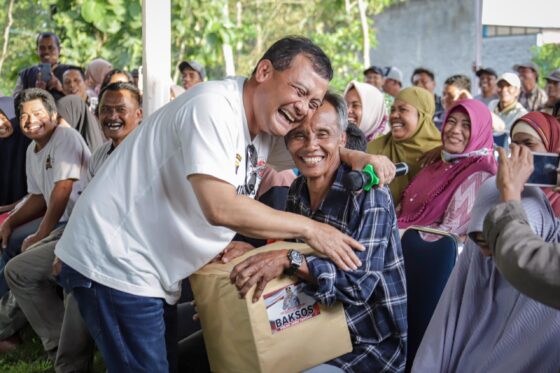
[(296, 260)]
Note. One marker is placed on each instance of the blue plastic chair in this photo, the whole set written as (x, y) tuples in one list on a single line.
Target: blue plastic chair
[(428, 265), (502, 140)]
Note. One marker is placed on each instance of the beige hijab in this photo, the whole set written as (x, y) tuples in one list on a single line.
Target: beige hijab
[(374, 114)]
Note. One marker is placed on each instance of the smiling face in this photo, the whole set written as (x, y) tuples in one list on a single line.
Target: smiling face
[(374, 79), (36, 123), (456, 132), (6, 129), (404, 120), (314, 145), (507, 93), (47, 50), (73, 84), (354, 105), (282, 100), (487, 84), (119, 114), (190, 78)]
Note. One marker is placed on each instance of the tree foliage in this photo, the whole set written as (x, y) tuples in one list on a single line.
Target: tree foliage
[(548, 59), (112, 29)]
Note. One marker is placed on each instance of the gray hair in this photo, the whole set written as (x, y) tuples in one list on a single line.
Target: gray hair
[(339, 104)]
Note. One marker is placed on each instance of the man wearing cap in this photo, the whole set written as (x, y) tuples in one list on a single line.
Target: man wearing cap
[(552, 90), (507, 106), (532, 97), (393, 81), (374, 75), (487, 78), (192, 72)]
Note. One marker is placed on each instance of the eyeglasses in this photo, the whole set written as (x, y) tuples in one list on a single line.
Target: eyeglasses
[(251, 169)]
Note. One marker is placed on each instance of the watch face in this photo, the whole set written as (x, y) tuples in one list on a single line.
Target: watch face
[(296, 258)]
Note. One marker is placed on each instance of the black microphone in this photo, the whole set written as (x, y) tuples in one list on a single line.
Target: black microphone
[(366, 179)]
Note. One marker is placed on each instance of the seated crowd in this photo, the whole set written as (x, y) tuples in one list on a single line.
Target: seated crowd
[(58, 131)]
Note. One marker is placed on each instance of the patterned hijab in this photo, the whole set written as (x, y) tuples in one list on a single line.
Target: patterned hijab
[(426, 137), (481, 322), (548, 129), (425, 200), (374, 114)]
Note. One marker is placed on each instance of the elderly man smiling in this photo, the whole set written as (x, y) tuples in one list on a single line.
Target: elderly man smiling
[(374, 295)]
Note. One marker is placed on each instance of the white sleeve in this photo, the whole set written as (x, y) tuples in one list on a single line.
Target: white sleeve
[(208, 128), (279, 158), (32, 186), (70, 153)]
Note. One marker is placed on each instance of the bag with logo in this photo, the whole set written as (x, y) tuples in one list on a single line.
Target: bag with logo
[(285, 331)]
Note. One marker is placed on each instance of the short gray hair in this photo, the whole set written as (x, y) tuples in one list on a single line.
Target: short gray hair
[(339, 104)]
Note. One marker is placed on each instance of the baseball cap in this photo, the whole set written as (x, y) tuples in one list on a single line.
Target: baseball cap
[(374, 69), (487, 71), (194, 66), (394, 73), (511, 78), (554, 76), (531, 65)]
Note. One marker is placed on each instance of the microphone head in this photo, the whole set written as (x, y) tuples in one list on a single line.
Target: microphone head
[(353, 181), (401, 169)]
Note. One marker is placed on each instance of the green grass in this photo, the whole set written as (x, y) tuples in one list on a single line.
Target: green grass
[(30, 357)]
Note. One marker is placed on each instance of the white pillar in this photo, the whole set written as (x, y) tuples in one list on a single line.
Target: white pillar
[(156, 54)]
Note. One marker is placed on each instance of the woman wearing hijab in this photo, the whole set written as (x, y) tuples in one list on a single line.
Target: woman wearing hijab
[(13, 145), (443, 193), (482, 323), (95, 73), (76, 113), (366, 109), (412, 134), (540, 132)]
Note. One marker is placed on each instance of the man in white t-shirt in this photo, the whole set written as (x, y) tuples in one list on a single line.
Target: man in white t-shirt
[(176, 191), (29, 275), (56, 166)]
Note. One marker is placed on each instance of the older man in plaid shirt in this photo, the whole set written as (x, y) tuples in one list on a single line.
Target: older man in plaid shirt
[(374, 295)]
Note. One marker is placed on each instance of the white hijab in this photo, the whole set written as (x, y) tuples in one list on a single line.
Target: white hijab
[(374, 113)]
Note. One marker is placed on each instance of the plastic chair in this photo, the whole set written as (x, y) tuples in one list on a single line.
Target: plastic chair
[(428, 265), (502, 140)]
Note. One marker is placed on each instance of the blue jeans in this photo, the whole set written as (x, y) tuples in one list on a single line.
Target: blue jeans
[(14, 248), (129, 330)]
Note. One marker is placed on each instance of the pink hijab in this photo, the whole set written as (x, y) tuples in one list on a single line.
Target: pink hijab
[(425, 200)]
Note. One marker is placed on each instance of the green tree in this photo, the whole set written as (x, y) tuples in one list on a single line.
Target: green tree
[(548, 59)]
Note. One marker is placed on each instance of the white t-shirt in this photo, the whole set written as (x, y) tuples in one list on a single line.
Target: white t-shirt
[(138, 227), (64, 157), (98, 158)]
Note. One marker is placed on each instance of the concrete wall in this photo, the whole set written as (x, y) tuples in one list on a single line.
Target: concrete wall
[(437, 34), (502, 52)]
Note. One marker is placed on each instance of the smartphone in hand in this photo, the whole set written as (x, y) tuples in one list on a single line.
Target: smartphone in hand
[(545, 173), (45, 70)]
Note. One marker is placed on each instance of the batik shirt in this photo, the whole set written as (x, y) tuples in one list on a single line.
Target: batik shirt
[(374, 295)]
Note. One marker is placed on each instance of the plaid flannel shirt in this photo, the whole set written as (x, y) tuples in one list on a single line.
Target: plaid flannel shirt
[(374, 296)]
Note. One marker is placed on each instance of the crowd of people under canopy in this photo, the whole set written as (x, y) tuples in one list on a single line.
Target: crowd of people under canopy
[(281, 138)]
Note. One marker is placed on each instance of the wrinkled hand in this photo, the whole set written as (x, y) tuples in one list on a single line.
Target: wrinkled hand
[(430, 156), (336, 245), (259, 269), (513, 172), (233, 250), (56, 266), (384, 168), (5, 233), (30, 241)]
